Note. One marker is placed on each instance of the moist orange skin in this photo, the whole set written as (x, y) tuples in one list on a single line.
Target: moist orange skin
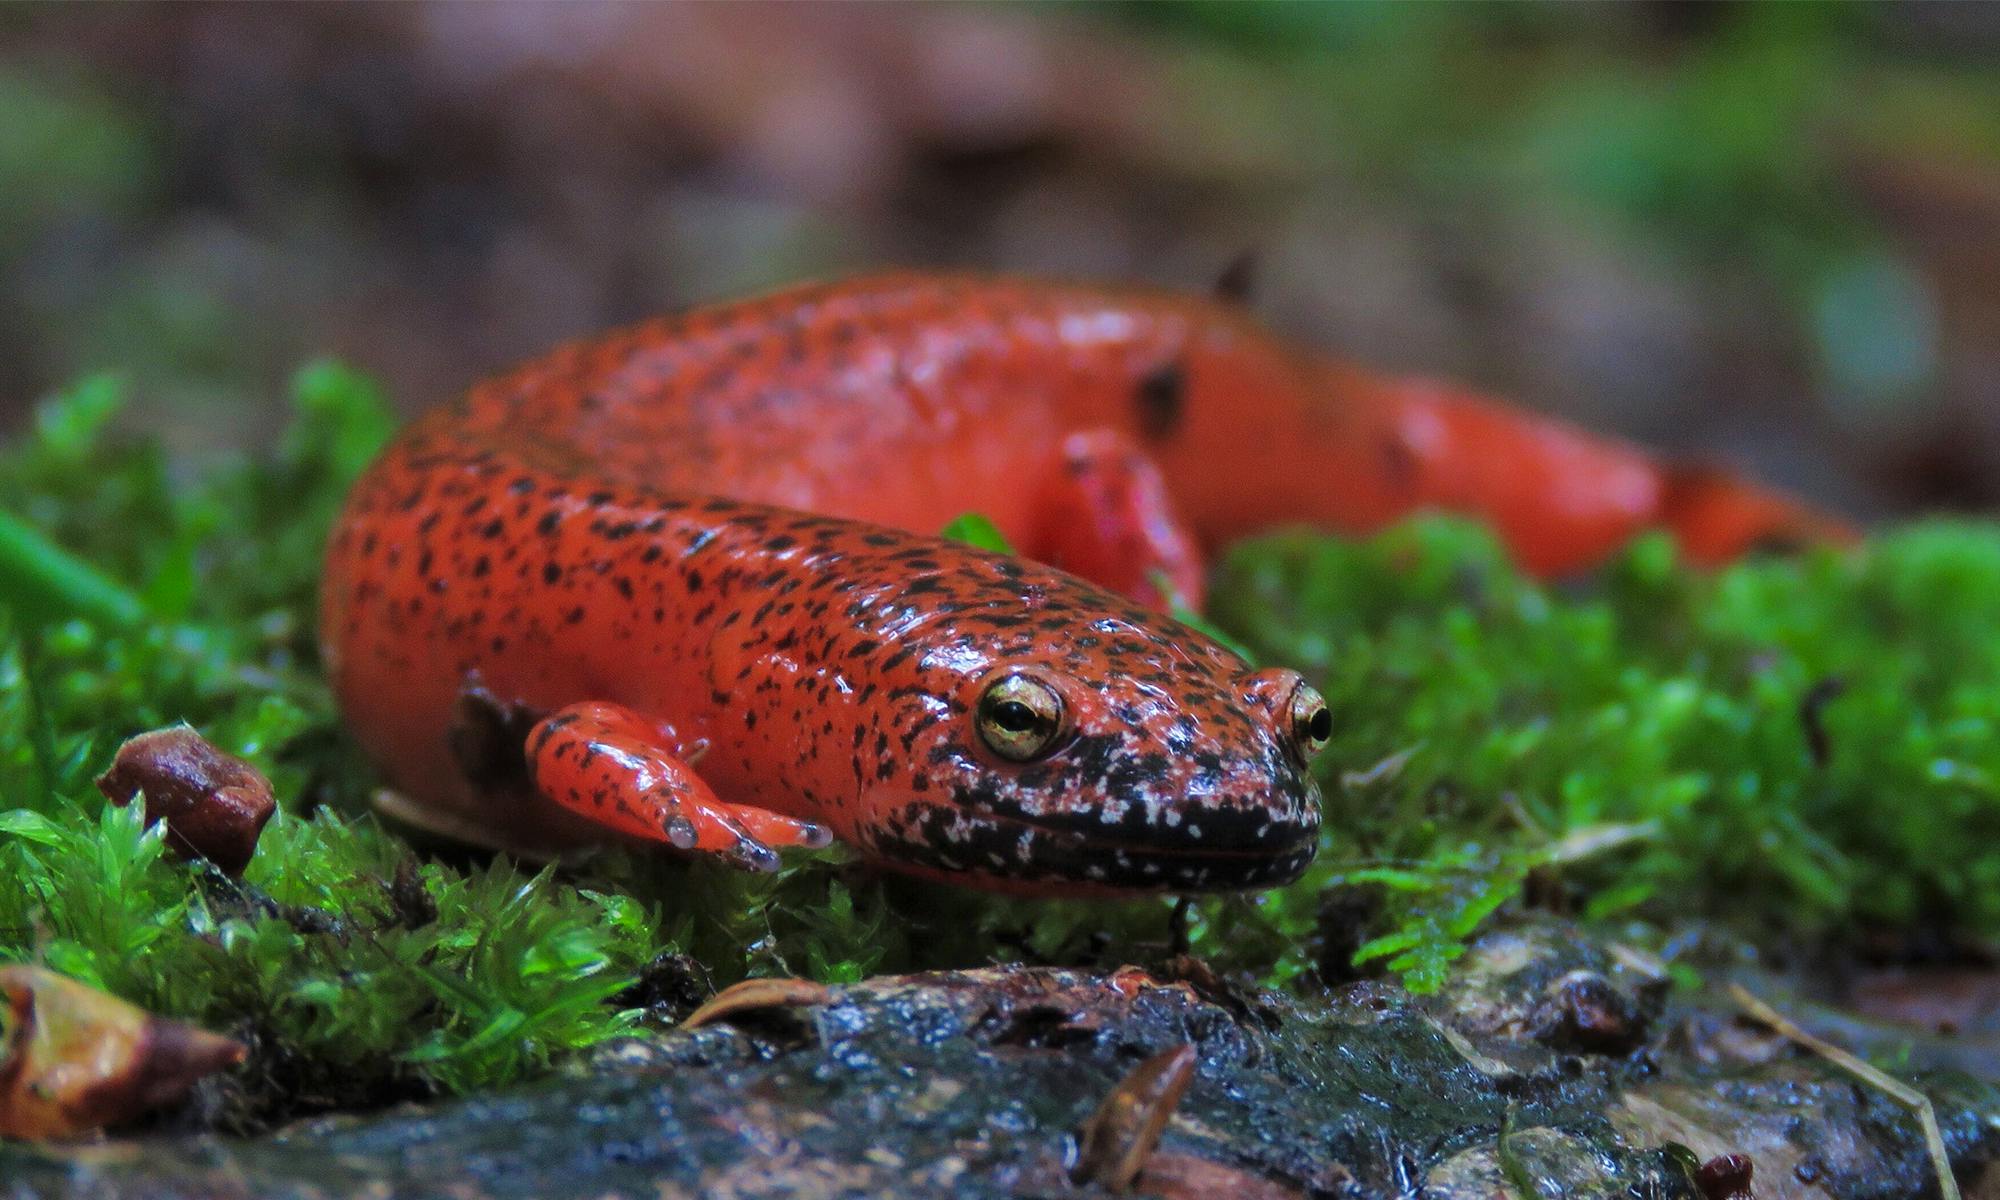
[(682, 579)]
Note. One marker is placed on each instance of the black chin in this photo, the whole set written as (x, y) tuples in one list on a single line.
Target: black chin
[(983, 846)]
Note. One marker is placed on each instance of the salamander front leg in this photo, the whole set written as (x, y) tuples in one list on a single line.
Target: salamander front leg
[(1105, 515), (626, 773)]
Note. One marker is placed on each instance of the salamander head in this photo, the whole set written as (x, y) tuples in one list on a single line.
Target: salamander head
[(1060, 738)]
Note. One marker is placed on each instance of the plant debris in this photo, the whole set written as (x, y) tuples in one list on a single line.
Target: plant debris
[(1725, 1177), (753, 995), (1902, 1093), (73, 1059), (1122, 1134), (214, 804)]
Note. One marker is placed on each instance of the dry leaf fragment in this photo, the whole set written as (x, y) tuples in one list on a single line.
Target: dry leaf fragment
[(1171, 1176), (754, 994), (215, 804), (74, 1059), (1126, 1127)]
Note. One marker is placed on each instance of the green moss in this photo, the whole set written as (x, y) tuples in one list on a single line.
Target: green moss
[(1662, 718), (1640, 742)]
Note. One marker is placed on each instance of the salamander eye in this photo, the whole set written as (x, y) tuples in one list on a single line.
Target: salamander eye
[(1312, 724), (1020, 717)]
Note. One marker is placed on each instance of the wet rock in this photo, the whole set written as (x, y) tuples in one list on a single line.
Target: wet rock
[(1527, 1162), (1518, 987), (983, 1083)]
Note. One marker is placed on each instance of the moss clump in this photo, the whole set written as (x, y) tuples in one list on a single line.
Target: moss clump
[(1662, 741), (1802, 746)]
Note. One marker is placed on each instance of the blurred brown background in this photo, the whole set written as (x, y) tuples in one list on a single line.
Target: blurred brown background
[(1764, 234)]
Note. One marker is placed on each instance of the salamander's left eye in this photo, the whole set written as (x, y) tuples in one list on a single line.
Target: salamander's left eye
[(1312, 724), (1020, 718)]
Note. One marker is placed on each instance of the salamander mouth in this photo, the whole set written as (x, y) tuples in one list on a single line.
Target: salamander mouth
[(1014, 849)]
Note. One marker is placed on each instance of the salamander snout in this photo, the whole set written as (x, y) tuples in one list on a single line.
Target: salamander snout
[(1184, 779), (1122, 752), (1250, 810)]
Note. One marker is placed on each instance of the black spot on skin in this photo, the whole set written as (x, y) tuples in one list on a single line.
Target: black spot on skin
[(1162, 401), (1238, 281)]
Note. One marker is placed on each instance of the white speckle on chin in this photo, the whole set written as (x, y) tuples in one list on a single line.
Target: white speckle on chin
[(1094, 328)]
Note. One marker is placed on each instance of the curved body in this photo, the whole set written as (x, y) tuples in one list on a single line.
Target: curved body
[(720, 528)]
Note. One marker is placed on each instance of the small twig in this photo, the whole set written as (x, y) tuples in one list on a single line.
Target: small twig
[(1177, 926), (1812, 717), (1902, 1093)]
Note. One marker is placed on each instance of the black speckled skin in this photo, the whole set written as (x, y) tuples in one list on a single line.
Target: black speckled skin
[(712, 528)]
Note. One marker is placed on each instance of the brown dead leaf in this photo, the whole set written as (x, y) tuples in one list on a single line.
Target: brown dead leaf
[(74, 1059), (1171, 1176), (754, 994), (1122, 1134)]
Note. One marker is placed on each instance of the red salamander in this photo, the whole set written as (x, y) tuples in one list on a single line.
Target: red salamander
[(683, 582)]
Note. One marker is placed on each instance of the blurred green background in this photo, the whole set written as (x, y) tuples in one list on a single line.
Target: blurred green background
[(1763, 234)]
